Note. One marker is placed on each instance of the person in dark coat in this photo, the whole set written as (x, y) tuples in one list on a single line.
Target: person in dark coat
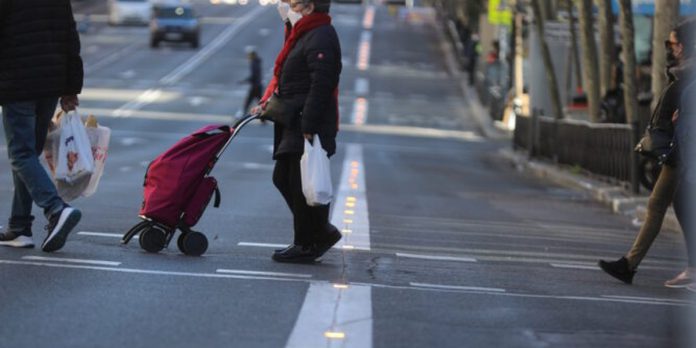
[(680, 46), (306, 73), (39, 64), (254, 80)]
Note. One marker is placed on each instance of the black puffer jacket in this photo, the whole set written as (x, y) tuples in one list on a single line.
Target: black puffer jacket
[(311, 72), (39, 50)]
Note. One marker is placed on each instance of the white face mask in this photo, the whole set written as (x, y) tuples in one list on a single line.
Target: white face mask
[(294, 16), (283, 8)]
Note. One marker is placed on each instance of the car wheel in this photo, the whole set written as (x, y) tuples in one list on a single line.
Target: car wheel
[(194, 43)]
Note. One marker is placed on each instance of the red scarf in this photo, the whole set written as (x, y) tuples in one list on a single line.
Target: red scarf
[(303, 26)]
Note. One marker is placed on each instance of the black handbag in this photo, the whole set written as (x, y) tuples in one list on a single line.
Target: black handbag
[(657, 143), (285, 111)]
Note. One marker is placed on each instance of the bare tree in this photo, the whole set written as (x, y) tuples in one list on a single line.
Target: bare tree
[(589, 61), (666, 14), (628, 53), (606, 42), (574, 43), (548, 63)]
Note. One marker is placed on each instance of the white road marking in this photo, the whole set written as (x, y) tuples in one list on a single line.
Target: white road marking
[(350, 213), (363, 59), (211, 48), (334, 316), (360, 111), (576, 266), (160, 115), (455, 287), (413, 131), (675, 303), (150, 272), (130, 141), (262, 245), (102, 234), (369, 18), (128, 74), (147, 97), (89, 262), (433, 257), (656, 299), (252, 165), (197, 100), (260, 273)]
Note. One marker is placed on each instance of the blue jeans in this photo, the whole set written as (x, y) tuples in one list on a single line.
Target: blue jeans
[(26, 127)]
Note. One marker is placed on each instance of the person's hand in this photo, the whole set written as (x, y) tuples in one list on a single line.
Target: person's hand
[(69, 102), (675, 116), (308, 136), (257, 109)]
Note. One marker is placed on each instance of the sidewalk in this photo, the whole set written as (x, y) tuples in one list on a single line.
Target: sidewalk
[(616, 198)]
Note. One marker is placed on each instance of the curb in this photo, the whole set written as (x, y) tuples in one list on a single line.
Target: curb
[(617, 199)]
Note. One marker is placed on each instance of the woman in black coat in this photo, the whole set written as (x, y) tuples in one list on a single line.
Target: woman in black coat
[(307, 72)]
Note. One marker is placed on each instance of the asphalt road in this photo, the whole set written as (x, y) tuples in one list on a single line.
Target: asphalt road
[(445, 244)]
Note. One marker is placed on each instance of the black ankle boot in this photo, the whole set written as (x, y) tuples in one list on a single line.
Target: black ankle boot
[(618, 269), (328, 239)]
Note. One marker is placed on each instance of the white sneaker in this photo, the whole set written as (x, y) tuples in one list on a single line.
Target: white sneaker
[(11, 239)]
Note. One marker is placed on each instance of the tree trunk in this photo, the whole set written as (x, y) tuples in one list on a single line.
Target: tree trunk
[(628, 52), (607, 46), (666, 15), (574, 44), (589, 61), (548, 64)]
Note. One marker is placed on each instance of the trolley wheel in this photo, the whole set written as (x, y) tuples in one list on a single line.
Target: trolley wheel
[(193, 243), (152, 239), (180, 241)]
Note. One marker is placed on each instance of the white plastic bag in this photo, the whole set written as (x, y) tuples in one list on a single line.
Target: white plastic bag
[(75, 159), (67, 191), (99, 142), (315, 172)]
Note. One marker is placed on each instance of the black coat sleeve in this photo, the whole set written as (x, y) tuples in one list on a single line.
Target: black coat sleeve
[(323, 60), (75, 71)]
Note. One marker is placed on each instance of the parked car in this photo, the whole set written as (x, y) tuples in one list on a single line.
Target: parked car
[(129, 11), (176, 23)]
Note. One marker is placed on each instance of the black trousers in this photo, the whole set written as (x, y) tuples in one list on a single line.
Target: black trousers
[(310, 223)]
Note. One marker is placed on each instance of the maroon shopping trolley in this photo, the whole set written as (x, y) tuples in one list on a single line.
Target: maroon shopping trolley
[(178, 187)]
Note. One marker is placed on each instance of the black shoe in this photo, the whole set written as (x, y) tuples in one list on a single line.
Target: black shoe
[(330, 239), (618, 269), (17, 240), (59, 226), (286, 248), (296, 254)]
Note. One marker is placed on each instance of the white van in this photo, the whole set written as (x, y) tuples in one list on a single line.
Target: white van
[(129, 11)]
